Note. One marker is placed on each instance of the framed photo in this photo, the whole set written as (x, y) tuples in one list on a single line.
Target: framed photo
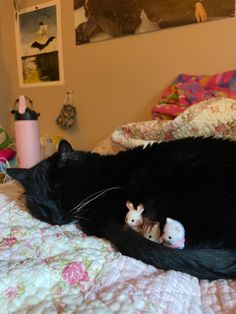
[(97, 20), (39, 45)]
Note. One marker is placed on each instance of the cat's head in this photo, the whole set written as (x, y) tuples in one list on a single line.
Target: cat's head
[(42, 185)]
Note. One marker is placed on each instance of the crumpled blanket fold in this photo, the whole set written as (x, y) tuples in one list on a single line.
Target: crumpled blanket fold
[(188, 90), (212, 117)]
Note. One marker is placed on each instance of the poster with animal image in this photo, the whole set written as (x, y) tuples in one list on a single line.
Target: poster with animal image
[(97, 20), (39, 47)]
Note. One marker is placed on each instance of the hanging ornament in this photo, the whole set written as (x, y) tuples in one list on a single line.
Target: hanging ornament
[(66, 119)]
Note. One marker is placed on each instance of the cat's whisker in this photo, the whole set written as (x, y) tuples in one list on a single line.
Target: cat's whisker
[(27, 197), (83, 201), (78, 209), (78, 217), (82, 210), (91, 195), (87, 198), (90, 198)]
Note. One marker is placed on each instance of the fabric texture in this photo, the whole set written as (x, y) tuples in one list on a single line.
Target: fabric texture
[(188, 90), (7, 154), (212, 117), (53, 269)]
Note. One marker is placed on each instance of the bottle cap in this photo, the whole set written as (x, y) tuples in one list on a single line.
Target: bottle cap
[(22, 105), (24, 112)]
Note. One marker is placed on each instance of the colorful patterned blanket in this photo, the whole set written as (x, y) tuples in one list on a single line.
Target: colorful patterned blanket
[(188, 90)]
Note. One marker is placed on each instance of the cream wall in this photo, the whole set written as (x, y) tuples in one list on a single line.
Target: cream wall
[(4, 99), (115, 81)]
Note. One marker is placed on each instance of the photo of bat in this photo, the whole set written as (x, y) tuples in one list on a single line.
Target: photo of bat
[(40, 46)]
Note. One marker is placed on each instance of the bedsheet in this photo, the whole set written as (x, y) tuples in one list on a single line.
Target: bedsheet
[(53, 269)]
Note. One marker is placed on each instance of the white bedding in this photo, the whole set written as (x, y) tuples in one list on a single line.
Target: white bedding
[(51, 269)]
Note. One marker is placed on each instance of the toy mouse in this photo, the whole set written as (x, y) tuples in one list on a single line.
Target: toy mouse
[(173, 234), (151, 230), (134, 216)]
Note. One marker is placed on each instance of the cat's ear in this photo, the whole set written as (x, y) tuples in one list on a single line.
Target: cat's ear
[(18, 174), (64, 147)]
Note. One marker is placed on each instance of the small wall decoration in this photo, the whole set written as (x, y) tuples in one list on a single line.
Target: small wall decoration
[(97, 20), (66, 118), (39, 46)]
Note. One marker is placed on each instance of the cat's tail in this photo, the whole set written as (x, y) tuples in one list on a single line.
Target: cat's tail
[(203, 263)]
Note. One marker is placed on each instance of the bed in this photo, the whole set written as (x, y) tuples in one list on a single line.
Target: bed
[(53, 269)]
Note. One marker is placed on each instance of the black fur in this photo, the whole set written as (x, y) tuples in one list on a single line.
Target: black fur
[(192, 180)]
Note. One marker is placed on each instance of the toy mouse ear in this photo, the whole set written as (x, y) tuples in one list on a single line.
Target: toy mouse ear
[(129, 205), (169, 220), (140, 208)]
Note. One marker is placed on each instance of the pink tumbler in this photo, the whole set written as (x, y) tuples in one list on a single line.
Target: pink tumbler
[(26, 134)]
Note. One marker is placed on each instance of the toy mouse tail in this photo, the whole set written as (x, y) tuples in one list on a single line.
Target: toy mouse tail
[(203, 263)]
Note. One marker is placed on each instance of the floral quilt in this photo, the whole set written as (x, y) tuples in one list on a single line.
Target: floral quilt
[(53, 269), (211, 117)]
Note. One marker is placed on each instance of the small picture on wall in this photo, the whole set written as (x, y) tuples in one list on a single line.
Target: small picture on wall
[(97, 20), (39, 47)]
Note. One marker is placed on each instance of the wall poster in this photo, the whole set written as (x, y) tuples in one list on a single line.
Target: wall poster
[(39, 45), (97, 20)]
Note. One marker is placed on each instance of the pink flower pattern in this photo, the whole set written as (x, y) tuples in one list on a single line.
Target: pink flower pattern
[(58, 291), (11, 292), (10, 241), (222, 128), (75, 272), (60, 308)]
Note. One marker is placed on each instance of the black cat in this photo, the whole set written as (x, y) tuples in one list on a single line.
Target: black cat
[(192, 180)]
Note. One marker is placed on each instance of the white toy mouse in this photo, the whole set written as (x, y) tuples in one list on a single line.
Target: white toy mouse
[(134, 216), (151, 230), (173, 234)]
